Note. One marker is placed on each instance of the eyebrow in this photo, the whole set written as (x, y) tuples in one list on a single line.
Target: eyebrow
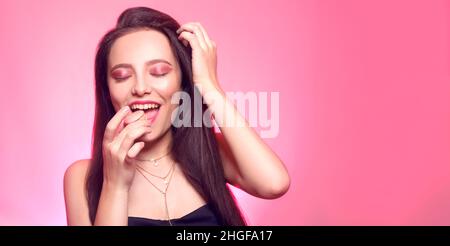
[(148, 63)]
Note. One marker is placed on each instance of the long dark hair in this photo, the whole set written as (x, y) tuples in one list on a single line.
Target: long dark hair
[(200, 162)]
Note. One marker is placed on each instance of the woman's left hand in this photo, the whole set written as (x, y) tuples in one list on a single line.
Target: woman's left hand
[(204, 56)]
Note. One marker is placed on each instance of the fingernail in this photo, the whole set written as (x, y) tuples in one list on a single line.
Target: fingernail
[(125, 109)]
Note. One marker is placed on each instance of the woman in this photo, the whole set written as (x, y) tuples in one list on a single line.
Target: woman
[(145, 170)]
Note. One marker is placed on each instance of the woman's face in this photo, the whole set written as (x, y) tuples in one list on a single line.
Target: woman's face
[(143, 73)]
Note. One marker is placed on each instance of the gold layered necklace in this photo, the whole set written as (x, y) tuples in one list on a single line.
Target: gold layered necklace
[(166, 182), (154, 161)]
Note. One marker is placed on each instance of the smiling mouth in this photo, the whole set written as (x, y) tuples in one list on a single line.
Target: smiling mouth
[(145, 107), (150, 109)]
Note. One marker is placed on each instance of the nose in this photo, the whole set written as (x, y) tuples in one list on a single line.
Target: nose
[(141, 87)]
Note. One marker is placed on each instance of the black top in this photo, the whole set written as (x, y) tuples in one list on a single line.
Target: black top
[(202, 216)]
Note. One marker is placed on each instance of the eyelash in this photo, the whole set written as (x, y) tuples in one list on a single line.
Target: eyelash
[(159, 75), (121, 79), (154, 75)]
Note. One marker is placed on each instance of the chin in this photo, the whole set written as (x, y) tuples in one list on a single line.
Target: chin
[(155, 135), (149, 137)]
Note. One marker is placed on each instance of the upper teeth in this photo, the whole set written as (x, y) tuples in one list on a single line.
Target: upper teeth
[(144, 106)]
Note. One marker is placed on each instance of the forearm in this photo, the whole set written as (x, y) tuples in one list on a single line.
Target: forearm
[(258, 166), (112, 207)]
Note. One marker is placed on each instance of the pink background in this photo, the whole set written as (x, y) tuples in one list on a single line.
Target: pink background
[(364, 102)]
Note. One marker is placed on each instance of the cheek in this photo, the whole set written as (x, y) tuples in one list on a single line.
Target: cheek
[(118, 95), (167, 88)]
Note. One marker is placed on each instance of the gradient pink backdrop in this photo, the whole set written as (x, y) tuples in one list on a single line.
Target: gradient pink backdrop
[(364, 102)]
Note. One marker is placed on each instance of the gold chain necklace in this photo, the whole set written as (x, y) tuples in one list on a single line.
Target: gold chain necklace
[(164, 191), (156, 176), (154, 161)]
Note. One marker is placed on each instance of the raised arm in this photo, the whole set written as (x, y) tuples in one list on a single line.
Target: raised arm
[(249, 163), (119, 145)]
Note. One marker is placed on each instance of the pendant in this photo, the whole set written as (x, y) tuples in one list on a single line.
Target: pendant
[(155, 162)]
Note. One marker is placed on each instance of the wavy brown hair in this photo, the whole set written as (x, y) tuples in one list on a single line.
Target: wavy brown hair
[(200, 162)]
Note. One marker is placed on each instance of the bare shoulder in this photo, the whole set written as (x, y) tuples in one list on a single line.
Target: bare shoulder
[(77, 170), (75, 175), (75, 193)]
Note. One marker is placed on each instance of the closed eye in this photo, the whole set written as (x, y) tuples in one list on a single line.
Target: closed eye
[(158, 75), (160, 70), (120, 74), (122, 79)]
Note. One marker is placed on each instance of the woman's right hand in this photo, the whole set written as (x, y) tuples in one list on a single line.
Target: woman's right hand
[(120, 144)]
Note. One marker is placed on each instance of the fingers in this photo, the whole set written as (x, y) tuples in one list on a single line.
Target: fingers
[(135, 149), (130, 140), (199, 32), (128, 136), (194, 29), (115, 122), (129, 118), (208, 41), (141, 123), (190, 37), (133, 117)]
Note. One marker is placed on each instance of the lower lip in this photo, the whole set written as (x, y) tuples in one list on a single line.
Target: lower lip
[(151, 115)]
